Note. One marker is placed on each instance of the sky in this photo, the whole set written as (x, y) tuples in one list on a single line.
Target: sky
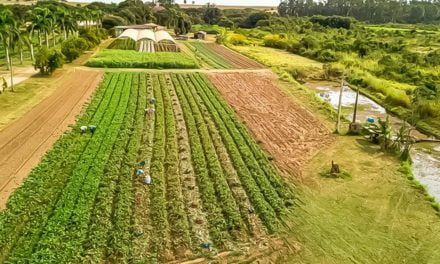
[(218, 2)]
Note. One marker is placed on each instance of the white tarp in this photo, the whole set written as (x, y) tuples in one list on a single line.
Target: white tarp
[(142, 34)]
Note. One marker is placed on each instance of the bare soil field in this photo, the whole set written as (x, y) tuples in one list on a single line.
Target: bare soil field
[(25, 141), (236, 59), (289, 132)]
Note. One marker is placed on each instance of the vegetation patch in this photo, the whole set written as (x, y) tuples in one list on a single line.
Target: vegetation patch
[(211, 187), (112, 58)]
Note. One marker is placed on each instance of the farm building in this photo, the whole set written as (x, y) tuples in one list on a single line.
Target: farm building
[(200, 35), (150, 41), (150, 26)]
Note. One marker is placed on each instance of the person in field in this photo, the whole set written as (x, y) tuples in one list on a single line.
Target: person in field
[(147, 179), (152, 100), (140, 172), (92, 128), (83, 129)]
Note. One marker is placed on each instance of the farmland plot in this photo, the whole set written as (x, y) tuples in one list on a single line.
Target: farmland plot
[(220, 57), (210, 181), (286, 130)]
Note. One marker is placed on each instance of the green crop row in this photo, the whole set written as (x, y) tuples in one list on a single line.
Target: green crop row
[(175, 204), (101, 219), (216, 222), (28, 208), (262, 195), (207, 55), (133, 59), (271, 173), (160, 233), (67, 226), (222, 190)]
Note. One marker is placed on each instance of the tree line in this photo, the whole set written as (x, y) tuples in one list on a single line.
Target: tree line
[(374, 11)]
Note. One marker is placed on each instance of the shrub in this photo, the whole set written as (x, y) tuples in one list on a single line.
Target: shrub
[(73, 47), (47, 60), (237, 39), (276, 41)]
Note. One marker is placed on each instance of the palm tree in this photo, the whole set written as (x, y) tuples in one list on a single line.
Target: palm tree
[(61, 15), (6, 28)]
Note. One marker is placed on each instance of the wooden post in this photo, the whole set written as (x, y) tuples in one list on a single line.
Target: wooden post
[(356, 105), (338, 121)]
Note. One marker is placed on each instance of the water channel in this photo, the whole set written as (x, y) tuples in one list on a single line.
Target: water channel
[(425, 156)]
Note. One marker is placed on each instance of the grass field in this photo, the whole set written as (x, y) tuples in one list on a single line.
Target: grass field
[(111, 58), (282, 60), (211, 181), (374, 217)]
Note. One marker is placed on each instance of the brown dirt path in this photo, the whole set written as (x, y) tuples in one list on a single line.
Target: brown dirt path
[(289, 132), (24, 142)]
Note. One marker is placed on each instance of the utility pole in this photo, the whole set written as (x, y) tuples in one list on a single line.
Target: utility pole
[(356, 105), (338, 121)]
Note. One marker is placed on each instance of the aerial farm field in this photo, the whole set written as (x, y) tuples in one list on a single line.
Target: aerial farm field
[(135, 143), (229, 193)]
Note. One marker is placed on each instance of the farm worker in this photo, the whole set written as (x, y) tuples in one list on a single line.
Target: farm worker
[(142, 163), (140, 172), (92, 129), (152, 100), (147, 179), (206, 245), (146, 111), (83, 129), (152, 110)]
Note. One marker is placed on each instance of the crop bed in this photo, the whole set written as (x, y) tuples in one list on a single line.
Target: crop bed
[(210, 180), (113, 58), (220, 57)]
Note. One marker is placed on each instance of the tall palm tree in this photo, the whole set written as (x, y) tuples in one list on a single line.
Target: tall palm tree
[(6, 29)]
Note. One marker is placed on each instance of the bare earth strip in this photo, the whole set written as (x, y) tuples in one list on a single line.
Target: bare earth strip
[(24, 142), (290, 133), (238, 60)]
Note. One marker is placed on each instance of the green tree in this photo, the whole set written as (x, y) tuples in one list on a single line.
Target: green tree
[(48, 60)]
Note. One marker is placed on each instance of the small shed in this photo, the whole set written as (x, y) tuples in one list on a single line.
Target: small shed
[(200, 35)]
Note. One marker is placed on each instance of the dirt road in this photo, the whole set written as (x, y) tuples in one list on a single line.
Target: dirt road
[(290, 133), (24, 142)]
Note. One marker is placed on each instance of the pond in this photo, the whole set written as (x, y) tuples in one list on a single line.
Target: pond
[(425, 156)]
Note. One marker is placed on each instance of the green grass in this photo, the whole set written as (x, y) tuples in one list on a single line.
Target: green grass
[(282, 59), (374, 217), (133, 59)]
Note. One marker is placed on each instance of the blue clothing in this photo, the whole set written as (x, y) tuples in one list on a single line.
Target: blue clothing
[(92, 128), (139, 172)]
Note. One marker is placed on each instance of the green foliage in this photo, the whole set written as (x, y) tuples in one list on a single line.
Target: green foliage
[(237, 39), (73, 47), (133, 59), (48, 60), (276, 41), (332, 21), (85, 206)]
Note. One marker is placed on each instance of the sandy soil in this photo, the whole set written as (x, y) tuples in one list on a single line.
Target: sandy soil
[(25, 141), (289, 132), (20, 74)]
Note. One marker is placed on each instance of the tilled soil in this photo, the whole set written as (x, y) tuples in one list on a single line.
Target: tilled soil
[(24, 142), (289, 132), (237, 60)]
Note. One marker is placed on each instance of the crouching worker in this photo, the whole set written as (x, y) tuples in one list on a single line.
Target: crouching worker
[(83, 129), (147, 179), (92, 129)]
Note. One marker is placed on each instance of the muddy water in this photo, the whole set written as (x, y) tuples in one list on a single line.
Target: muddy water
[(425, 156)]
